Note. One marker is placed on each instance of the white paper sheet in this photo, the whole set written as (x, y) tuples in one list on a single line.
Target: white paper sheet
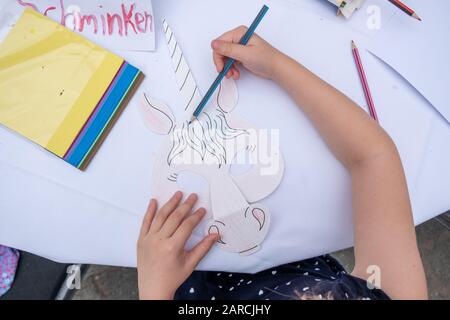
[(420, 50), (115, 25), (207, 147)]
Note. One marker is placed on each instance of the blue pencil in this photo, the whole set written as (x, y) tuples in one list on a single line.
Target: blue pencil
[(244, 40)]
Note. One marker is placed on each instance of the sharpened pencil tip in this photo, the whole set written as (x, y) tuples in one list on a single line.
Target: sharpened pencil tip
[(192, 120), (416, 17), (353, 45)]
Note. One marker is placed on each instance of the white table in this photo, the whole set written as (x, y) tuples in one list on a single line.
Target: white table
[(53, 210)]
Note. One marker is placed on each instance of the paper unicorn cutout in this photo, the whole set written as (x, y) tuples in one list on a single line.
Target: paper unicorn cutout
[(207, 147)]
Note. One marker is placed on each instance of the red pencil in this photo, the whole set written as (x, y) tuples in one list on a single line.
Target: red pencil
[(365, 85), (405, 9)]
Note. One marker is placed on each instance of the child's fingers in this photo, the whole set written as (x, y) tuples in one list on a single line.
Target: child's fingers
[(230, 74), (177, 216), (218, 60), (230, 49), (165, 211), (201, 249), (236, 73), (187, 226), (238, 33), (233, 35), (148, 218)]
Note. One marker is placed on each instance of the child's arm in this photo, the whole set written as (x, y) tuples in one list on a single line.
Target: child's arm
[(163, 264), (383, 226)]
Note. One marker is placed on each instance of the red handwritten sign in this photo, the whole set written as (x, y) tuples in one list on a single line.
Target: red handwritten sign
[(114, 24)]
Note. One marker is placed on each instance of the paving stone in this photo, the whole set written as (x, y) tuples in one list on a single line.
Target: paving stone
[(104, 282)]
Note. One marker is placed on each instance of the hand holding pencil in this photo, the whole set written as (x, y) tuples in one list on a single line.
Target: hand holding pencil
[(257, 56), (229, 62)]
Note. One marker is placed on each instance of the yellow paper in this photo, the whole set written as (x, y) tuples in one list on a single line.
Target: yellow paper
[(51, 80)]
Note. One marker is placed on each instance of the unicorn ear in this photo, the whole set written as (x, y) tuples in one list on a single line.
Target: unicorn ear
[(226, 96), (157, 116)]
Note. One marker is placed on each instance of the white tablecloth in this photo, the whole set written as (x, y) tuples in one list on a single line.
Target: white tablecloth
[(54, 210)]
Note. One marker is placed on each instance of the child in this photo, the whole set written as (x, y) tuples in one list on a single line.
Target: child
[(384, 233)]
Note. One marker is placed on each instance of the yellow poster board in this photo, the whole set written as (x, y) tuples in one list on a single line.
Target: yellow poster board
[(51, 80)]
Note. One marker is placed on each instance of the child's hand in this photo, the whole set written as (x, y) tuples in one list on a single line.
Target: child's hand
[(163, 264), (257, 56)]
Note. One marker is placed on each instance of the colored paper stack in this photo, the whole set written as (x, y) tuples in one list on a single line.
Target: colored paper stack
[(60, 90)]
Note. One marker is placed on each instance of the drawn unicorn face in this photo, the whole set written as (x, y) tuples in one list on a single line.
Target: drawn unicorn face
[(207, 147)]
